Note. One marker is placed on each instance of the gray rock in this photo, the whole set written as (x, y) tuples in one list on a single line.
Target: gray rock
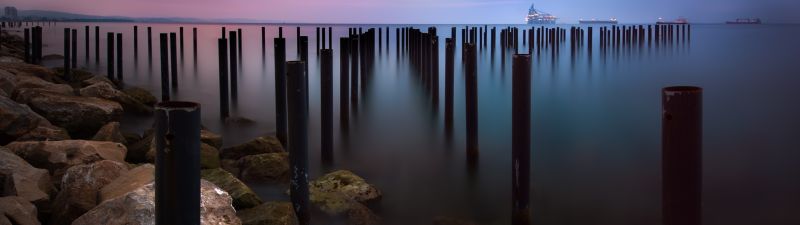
[(30, 183), (127, 182), (265, 168), (58, 156), (138, 208), (260, 145), (270, 213), (110, 132), (106, 91), (17, 211), (80, 187), (243, 196), (16, 120), (81, 116)]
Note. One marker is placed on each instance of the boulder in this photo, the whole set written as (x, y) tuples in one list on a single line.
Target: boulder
[(338, 205), (45, 132), (110, 132), (79, 189), (270, 213), (128, 181), (141, 95), (81, 116), (138, 208), (17, 211), (265, 168), (36, 83), (211, 138), (260, 145), (8, 81), (346, 183), (230, 165), (137, 152), (106, 91), (16, 120), (58, 156), (30, 183), (24, 69), (243, 196), (96, 79)]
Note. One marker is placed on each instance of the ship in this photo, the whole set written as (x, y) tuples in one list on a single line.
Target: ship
[(745, 21), (680, 20), (538, 17), (595, 21)]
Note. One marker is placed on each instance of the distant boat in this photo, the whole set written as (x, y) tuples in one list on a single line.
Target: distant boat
[(594, 21), (538, 17), (680, 20), (745, 21)]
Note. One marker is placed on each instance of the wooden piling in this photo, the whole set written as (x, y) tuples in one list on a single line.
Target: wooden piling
[(119, 57), (326, 108), (471, 75), (67, 55), (280, 89), (173, 53), (297, 92), (74, 50), (521, 139), (164, 67), (233, 63), (222, 45), (110, 55), (177, 172), (344, 83), (681, 146)]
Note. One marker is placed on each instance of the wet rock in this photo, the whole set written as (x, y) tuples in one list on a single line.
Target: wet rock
[(45, 132), (37, 84), (131, 137), (260, 145), (138, 208), (106, 91), (243, 196), (359, 214), (141, 95), (270, 213), (443, 220), (16, 120), (265, 168), (338, 205), (232, 166), (8, 82), (30, 183), (79, 189), (58, 156), (110, 132), (17, 211), (211, 138), (129, 181), (137, 152), (81, 116), (346, 183), (4, 94)]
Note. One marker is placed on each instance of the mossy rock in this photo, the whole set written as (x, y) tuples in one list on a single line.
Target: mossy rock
[(243, 196), (270, 213)]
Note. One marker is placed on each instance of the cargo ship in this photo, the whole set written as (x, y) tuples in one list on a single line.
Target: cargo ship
[(594, 21), (680, 20), (745, 21), (538, 17)]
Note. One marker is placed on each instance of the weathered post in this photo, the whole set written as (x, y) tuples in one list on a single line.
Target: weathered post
[(239, 42), (344, 81), (164, 68), (194, 42), (263, 42), (135, 41), (449, 59), (233, 63), (149, 43), (173, 53), (177, 176), (96, 44), (67, 72), (110, 55), (323, 38), (180, 31), (521, 139), (354, 72), (86, 42), (471, 75), (326, 92), (330, 37), (298, 139), (681, 152), (74, 50), (222, 46), (27, 46), (119, 57), (317, 38), (280, 89)]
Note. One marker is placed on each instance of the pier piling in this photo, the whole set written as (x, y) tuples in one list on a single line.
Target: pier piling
[(222, 45), (471, 74), (164, 67), (110, 55), (521, 139), (344, 83), (173, 53), (326, 98), (297, 95), (119, 57), (280, 89), (177, 175), (67, 55), (681, 151)]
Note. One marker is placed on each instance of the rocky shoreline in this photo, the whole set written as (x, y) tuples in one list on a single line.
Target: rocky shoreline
[(65, 160)]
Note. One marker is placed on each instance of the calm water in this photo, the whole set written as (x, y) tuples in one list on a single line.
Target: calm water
[(596, 123)]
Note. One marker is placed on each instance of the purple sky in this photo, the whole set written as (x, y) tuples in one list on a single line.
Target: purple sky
[(427, 11)]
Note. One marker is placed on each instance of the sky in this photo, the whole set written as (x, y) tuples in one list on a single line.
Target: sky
[(428, 11)]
